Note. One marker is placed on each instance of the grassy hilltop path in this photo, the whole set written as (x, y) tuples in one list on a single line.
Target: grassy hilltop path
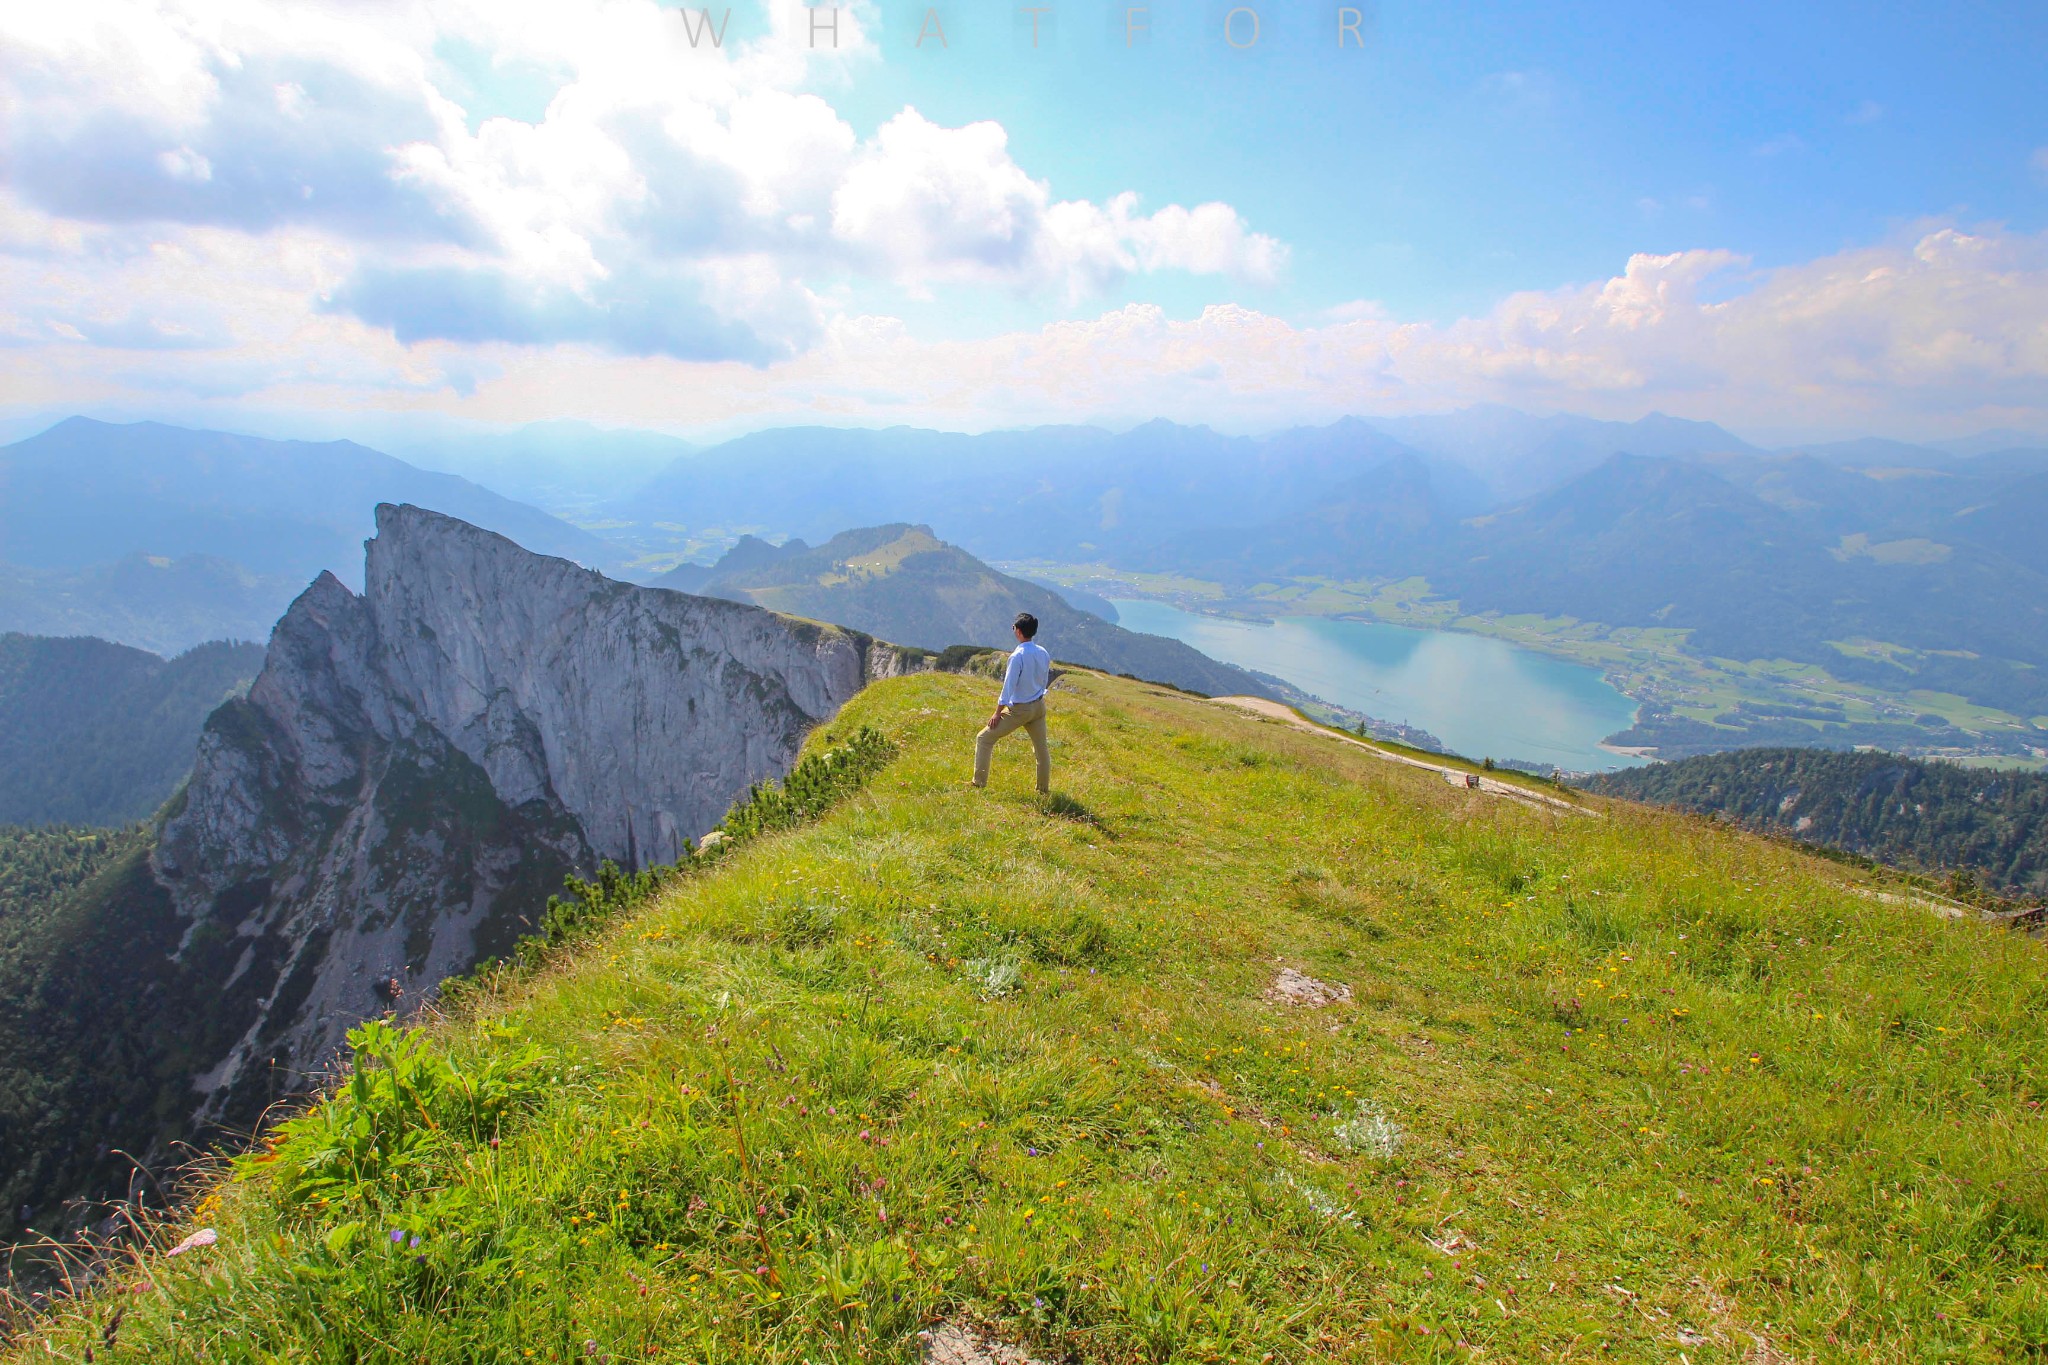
[(1492, 786), (1636, 1088)]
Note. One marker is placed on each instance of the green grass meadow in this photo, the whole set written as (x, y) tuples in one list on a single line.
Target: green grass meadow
[(1623, 1086)]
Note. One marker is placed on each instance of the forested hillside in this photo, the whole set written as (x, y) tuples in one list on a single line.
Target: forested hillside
[(101, 1028), (40, 865), (94, 733), (1933, 817)]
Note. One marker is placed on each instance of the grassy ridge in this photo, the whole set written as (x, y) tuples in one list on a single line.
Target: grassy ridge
[(1606, 1088)]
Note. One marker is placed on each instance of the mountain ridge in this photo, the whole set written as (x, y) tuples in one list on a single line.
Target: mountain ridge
[(411, 773), (903, 583), (85, 492)]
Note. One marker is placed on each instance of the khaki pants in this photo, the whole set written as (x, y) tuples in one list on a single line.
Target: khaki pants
[(1028, 716)]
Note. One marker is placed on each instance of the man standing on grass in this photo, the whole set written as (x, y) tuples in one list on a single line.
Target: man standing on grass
[(1022, 704)]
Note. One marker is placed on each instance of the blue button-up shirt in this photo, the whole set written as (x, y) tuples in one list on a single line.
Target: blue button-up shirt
[(1026, 678)]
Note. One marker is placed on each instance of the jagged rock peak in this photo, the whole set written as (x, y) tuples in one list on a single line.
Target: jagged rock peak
[(415, 769)]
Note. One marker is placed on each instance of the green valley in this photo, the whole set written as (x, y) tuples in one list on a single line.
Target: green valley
[(1246, 1044), (96, 733), (1693, 702)]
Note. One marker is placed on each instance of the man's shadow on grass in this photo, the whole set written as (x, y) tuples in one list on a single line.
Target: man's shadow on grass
[(1064, 807)]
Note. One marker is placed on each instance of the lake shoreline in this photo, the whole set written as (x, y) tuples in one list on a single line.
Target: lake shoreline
[(1483, 696)]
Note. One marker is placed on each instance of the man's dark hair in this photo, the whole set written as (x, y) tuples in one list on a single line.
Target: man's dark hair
[(1027, 624)]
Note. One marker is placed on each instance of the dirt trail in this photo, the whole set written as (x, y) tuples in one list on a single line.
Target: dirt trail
[(1286, 714)]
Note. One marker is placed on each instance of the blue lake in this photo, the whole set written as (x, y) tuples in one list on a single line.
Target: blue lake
[(1484, 698)]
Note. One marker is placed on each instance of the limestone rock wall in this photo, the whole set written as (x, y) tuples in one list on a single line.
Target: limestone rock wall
[(417, 767)]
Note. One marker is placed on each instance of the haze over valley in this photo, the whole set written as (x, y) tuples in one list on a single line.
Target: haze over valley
[(1854, 593)]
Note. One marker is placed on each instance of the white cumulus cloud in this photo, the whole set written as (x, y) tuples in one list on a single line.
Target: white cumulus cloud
[(516, 209), (662, 195), (944, 205)]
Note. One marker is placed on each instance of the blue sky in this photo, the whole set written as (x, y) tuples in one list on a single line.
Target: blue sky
[(1469, 151), (1792, 219)]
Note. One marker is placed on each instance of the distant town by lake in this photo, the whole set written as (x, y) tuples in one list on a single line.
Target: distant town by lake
[(1484, 698)]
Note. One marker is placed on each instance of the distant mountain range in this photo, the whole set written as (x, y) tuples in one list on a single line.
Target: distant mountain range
[(1050, 492), (905, 584), (1899, 566), (1929, 817), (565, 468), (1515, 454), (162, 537), (1083, 492), (162, 605), (1783, 557), (93, 733), (85, 493)]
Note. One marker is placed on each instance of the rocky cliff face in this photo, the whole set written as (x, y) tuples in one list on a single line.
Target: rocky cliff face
[(416, 768)]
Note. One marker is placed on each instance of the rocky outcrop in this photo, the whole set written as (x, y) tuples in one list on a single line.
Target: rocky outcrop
[(416, 768)]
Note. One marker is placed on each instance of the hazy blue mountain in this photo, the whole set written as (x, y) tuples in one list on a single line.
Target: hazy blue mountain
[(1381, 523), (1985, 442), (1758, 556), (93, 733), (1993, 502), (748, 552), (1051, 492), (2016, 462), (905, 584), (1635, 541), (1515, 454), (1888, 459), (2013, 523), (1646, 542), (86, 492), (566, 468), (162, 605), (1078, 598), (1868, 452), (1832, 497), (684, 578)]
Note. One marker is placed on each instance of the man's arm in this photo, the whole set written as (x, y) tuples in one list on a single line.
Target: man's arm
[(1002, 697)]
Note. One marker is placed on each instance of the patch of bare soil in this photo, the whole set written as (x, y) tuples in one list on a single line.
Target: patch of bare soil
[(1299, 988), (952, 1343)]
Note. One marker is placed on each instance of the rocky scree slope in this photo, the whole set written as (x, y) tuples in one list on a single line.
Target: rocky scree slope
[(409, 776)]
